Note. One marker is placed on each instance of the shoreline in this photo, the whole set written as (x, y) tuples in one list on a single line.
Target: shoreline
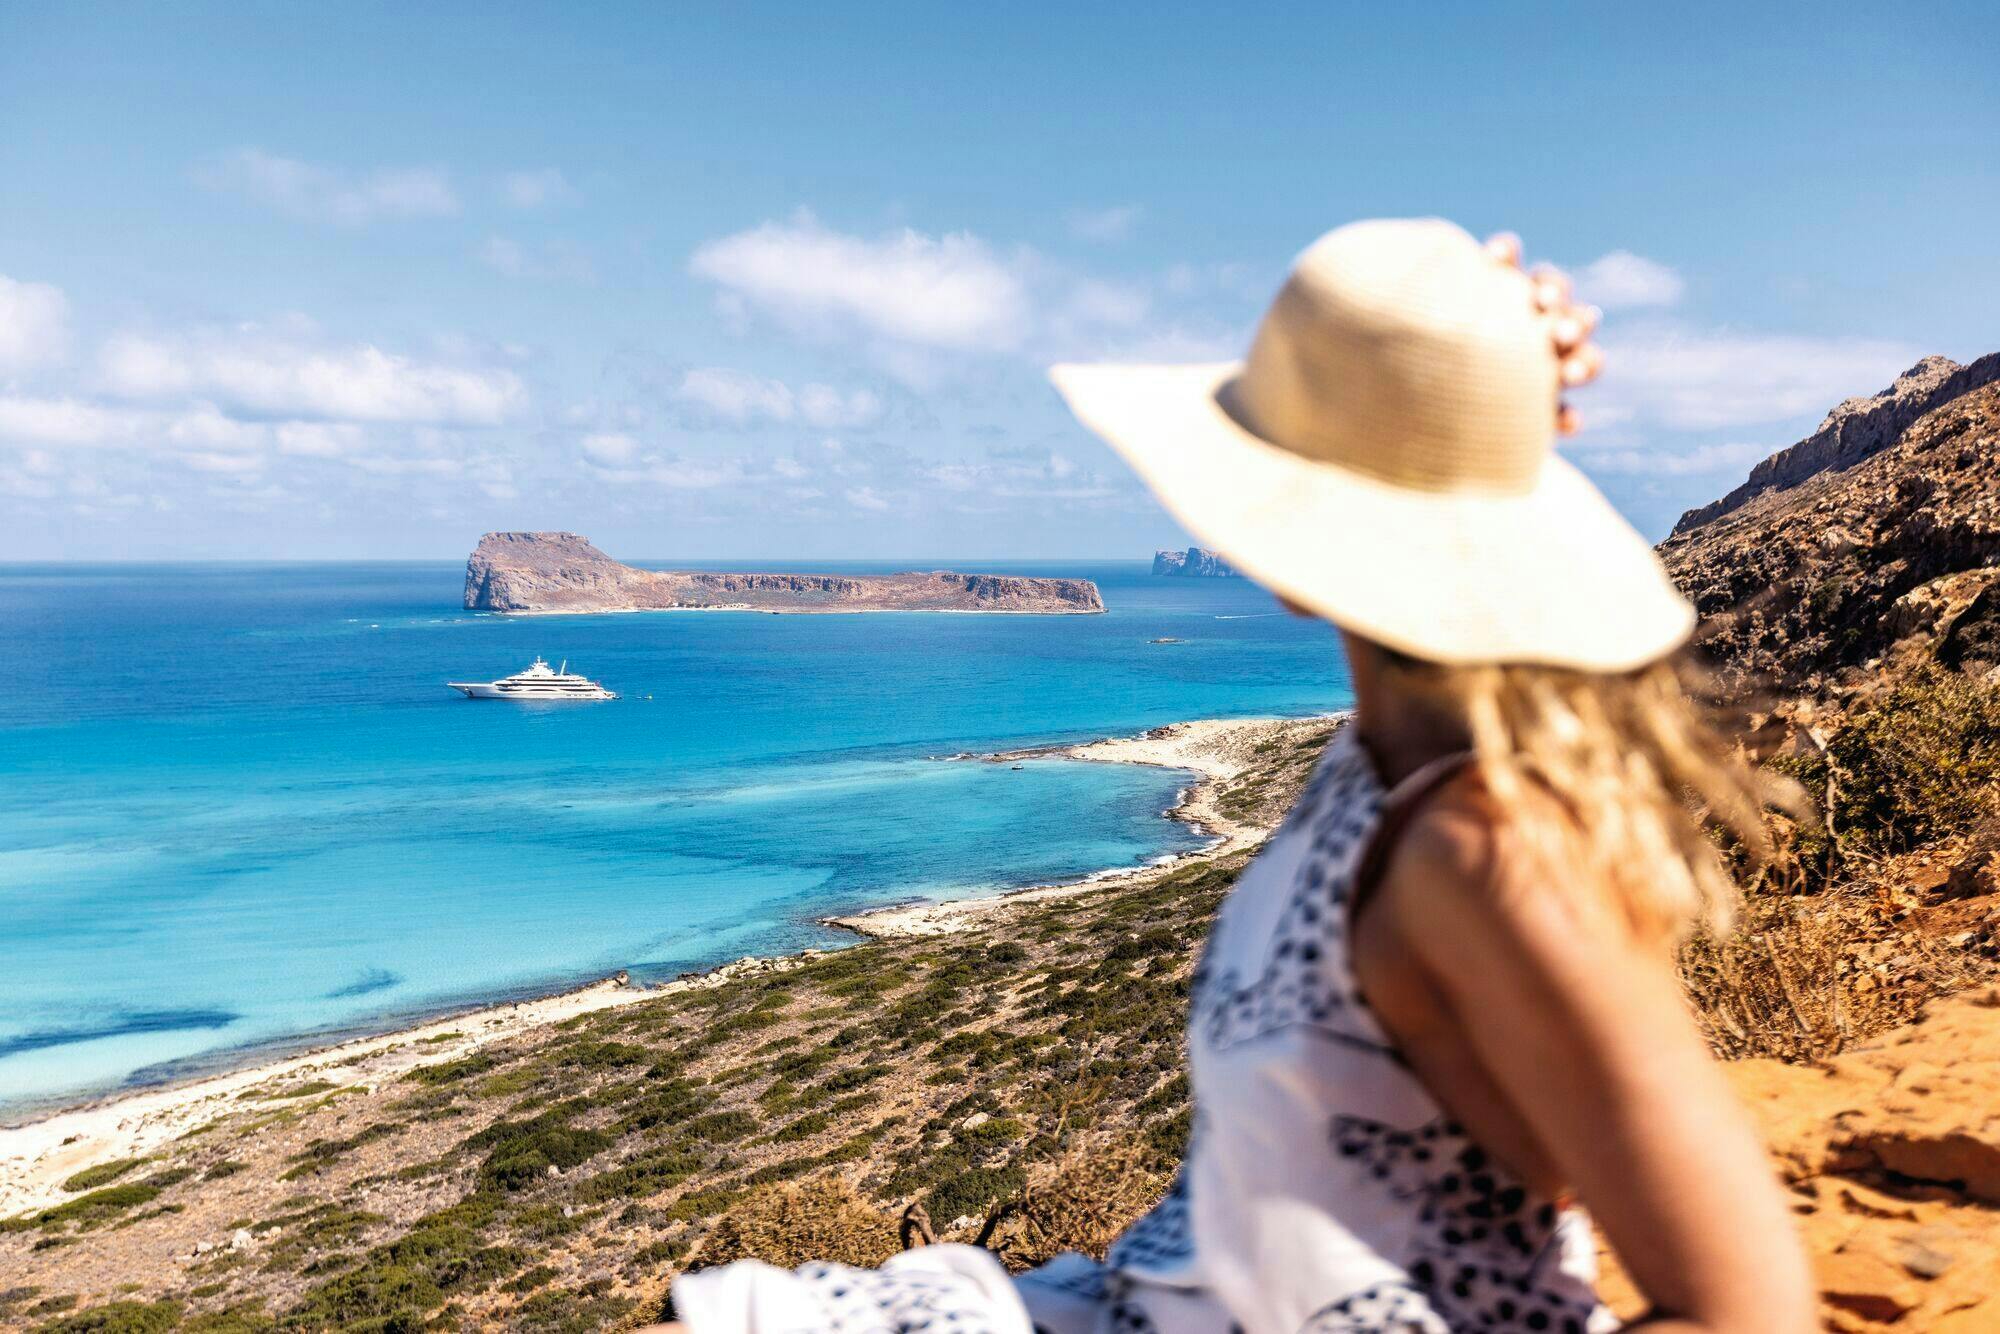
[(789, 611), (38, 1154), (1214, 750)]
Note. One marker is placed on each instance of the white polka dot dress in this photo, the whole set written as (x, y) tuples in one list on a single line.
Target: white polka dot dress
[(1324, 1190)]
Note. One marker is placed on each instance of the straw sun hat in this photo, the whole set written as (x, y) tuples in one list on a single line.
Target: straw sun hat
[(1384, 457)]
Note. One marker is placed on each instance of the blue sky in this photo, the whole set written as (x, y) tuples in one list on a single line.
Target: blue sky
[(779, 281)]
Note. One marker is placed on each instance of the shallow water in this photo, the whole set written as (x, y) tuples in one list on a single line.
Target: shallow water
[(238, 807)]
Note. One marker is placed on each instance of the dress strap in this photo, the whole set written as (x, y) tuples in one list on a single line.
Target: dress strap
[(1399, 808)]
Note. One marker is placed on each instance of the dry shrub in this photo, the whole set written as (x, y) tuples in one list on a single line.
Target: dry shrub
[(1080, 1201), (1977, 870), (790, 1225), (1803, 979)]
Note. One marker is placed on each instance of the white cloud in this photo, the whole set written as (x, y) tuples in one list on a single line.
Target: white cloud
[(1622, 280), (557, 259), (734, 396), (323, 440), (197, 429), (1020, 475), (921, 307), (328, 194), (866, 498), (1233, 279), (278, 378), (948, 291), (828, 408), (62, 421), (673, 472), (1104, 224), (34, 324), (611, 448), (1682, 378), (1106, 304), (536, 189), (719, 394), (224, 463), (202, 426), (504, 255), (1733, 457)]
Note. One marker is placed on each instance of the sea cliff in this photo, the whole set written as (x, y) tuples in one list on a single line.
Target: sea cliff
[(1195, 561), (563, 572)]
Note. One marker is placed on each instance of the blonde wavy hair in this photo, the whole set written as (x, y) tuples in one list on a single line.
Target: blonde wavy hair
[(1644, 771)]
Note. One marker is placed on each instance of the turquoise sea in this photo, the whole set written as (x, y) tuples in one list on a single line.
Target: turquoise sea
[(239, 811)]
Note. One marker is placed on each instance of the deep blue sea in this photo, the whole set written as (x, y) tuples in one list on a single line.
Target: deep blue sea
[(239, 810)]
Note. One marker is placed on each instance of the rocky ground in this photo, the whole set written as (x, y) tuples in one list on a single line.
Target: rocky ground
[(1813, 591)]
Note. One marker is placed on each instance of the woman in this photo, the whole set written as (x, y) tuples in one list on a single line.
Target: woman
[(1440, 1007)]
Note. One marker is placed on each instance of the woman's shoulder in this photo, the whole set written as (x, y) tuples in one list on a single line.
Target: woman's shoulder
[(1485, 848)]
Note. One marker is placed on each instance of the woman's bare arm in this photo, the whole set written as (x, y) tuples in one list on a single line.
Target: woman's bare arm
[(1586, 1033)]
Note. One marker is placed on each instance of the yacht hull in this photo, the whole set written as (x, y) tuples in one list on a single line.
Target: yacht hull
[(487, 690)]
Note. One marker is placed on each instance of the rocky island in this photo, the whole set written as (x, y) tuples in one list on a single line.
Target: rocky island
[(1195, 561), (563, 572)]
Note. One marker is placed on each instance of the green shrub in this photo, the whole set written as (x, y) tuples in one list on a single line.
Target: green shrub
[(720, 1127), (98, 1205), (969, 1192), (101, 1175), (396, 1283), (243, 1318), (602, 1055), (803, 1128), (991, 1134), (520, 1153), (644, 1176), (583, 1311), (1920, 762), (451, 1072), (118, 1318)]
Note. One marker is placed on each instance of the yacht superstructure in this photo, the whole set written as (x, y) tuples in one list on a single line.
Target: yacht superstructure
[(539, 682)]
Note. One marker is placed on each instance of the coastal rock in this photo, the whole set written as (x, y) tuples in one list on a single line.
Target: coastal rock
[(1857, 429), (563, 572), (1195, 561)]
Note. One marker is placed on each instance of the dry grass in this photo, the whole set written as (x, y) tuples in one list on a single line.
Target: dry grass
[(1824, 955), (787, 1226), (1805, 977), (1080, 1201)]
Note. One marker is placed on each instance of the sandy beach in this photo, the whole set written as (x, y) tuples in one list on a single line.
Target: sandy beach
[(1217, 751), (36, 1157)]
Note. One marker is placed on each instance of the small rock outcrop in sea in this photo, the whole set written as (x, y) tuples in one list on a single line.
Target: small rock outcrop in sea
[(1854, 431), (1197, 561), (563, 572)]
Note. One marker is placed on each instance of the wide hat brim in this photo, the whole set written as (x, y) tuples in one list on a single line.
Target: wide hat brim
[(1552, 575)]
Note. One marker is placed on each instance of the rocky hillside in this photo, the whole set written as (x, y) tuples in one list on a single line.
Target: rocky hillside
[(1808, 588), (1855, 430), (563, 572), (1195, 561)]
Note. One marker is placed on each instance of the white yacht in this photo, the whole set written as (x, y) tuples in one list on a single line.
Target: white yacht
[(539, 682)]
